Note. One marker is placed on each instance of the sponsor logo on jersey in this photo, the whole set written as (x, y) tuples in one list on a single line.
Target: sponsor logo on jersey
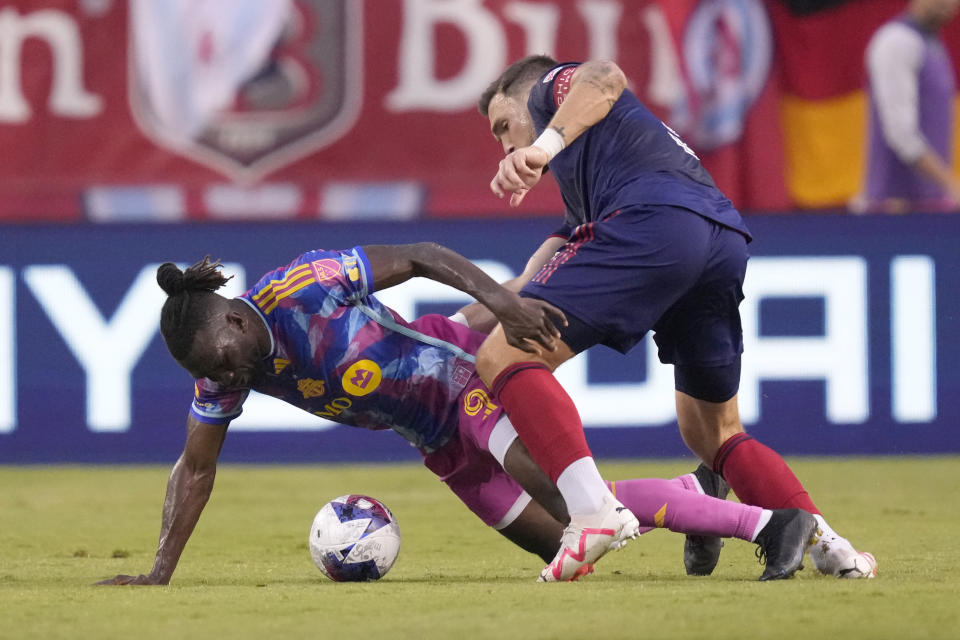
[(476, 401), (311, 388), (326, 269), (353, 271), (334, 408), (362, 378)]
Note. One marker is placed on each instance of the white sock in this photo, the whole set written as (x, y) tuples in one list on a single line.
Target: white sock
[(765, 516), (829, 536), (582, 487)]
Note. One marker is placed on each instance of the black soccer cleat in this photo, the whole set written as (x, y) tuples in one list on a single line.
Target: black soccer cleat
[(783, 541), (701, 553)]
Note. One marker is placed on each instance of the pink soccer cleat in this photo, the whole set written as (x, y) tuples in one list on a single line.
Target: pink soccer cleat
[(587, 538)]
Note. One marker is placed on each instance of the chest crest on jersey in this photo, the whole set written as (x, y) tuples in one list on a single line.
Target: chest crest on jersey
[(311, 388)]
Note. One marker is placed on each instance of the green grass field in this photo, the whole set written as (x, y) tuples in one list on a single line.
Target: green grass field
[(247, 573)]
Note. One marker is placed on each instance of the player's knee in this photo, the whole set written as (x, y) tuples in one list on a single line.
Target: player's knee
[(705, 438), (493, 356), (488, 364)]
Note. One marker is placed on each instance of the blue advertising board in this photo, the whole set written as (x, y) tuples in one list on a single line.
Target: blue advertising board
[(851, 330)]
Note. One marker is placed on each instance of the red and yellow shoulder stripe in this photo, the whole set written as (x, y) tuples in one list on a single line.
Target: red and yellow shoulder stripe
[(275, 290)]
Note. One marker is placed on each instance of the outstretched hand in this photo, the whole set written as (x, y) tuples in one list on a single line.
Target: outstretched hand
[(530, 324), (130, 580), (519, 172)]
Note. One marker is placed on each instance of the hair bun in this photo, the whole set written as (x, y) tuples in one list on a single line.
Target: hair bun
[(170, 278)]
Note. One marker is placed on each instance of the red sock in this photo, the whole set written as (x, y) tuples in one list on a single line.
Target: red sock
[(759, 476), (543, 414)]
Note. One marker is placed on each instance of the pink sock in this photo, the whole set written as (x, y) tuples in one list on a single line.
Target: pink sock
[(667, 503)]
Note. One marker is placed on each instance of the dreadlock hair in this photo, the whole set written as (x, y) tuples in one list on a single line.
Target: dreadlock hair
[(187, 307), (516, 77)]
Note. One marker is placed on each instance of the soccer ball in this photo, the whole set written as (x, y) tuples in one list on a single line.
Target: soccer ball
[(863, 565), (354, 538)]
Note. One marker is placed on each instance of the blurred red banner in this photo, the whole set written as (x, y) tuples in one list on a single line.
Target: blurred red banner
[(236, 109)]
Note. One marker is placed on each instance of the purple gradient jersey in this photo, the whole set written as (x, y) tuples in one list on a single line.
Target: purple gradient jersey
[(629, 158), (340, 354)]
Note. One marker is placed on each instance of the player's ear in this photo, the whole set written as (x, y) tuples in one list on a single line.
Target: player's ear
[(236, 319)]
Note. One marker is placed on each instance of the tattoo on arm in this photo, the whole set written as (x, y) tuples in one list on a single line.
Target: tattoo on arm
[(605, 82), (606, 88), (559, 130)]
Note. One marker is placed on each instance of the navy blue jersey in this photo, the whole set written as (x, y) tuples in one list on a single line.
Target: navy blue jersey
[(629, 158)]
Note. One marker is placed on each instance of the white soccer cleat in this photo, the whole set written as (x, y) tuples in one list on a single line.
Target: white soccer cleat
[(587, 538), (629, 528), (862, 565), (836, 557)]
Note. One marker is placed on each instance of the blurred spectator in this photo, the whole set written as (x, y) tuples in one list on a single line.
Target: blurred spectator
[(911, 97)]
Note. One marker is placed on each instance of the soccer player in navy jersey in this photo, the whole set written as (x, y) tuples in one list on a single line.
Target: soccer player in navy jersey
[(311, 333), (649, 243)]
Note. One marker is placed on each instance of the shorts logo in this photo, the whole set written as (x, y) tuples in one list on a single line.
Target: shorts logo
[(326, 269), (311, 388), (477, 400), (362, 378), (279, 364)]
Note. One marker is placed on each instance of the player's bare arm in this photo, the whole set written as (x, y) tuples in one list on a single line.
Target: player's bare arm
[(188, 489), (594, 88), (528, 323), (479, 318)]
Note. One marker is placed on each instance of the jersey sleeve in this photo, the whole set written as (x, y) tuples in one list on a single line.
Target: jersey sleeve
[(316, 282), (215, 405), (562, 232), (550, 91)]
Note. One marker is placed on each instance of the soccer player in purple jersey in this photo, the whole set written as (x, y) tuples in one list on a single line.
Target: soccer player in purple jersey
[(912, 92), (311, 333), (649, 243)]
